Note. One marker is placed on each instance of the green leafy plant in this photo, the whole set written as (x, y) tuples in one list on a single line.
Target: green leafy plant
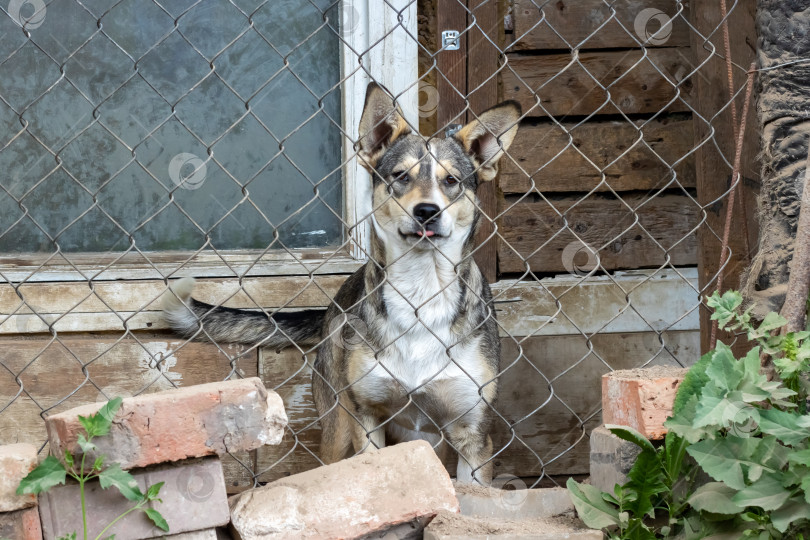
[(51, 472), (736, 459)]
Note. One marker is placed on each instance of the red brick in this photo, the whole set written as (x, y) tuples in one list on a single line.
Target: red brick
[(193, 497), (194, 421), (20, 525), (368, 494), (641, 398), (16, 461)]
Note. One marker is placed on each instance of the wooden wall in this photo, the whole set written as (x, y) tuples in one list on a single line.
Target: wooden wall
[(604, 131)]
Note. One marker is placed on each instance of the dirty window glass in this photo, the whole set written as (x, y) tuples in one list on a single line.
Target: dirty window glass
[(141, 141)]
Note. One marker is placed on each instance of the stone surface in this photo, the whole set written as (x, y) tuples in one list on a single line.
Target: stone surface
[(193, 497), (16, 461), (611, 459), (382, 493), (641, 398), (447, 526), (20, 525), (515, 502), (194, 421)]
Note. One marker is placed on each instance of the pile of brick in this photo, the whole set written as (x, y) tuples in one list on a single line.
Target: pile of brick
[(175, 437), (404, 491)]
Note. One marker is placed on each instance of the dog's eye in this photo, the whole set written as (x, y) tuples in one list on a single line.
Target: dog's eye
[(401, 176), (451, 180)]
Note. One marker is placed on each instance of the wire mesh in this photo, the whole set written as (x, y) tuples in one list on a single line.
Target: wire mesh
[(143, 141)]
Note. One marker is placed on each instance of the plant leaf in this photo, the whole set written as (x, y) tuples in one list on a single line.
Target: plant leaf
[(730, 459), (715, 497), (646, 479), (125, 482), (631, 435), (99, 423), (47, 474), (591, 508), (681, 422), (85, 445), (693, 382), (153, 491), (674, 452), (794, 510), (766, 493), (783, 425), (156, 518)]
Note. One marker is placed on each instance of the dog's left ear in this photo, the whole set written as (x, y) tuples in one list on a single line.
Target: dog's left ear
[(382, 123), (489, 136)]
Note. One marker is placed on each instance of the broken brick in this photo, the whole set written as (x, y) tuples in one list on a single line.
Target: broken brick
[(195, 421), (641, 398), (16, 461), (374, 493)]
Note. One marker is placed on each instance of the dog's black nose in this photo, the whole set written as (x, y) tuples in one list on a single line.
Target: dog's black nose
[(424, 212)]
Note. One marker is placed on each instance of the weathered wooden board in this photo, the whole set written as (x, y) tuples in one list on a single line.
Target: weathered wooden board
[(612, 26), (524, 304), (568, 305), (155, 265), (714, 157), (639, 82), (607, 225), (632, 156), (482, 93), (137, 303), (545, 430), (52, 380)]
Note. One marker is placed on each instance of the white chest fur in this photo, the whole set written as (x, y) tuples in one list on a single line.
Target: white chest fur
[(421, 296)]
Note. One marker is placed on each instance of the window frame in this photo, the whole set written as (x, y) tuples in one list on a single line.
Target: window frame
[(388, 59)]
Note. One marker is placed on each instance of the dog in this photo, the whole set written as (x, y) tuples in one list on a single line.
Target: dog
[(423, 350)]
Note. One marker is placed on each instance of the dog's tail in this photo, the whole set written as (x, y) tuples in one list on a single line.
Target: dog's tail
[(226, 325)]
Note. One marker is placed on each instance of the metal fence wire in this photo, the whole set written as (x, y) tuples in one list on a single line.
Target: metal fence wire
[(142, 141)]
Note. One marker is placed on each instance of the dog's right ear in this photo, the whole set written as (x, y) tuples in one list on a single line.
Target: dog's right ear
[(382, 123)]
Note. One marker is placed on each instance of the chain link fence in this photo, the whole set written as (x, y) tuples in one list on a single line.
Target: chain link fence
[(142, 141)]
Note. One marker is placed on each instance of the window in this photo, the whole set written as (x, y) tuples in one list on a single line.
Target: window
[(142, 147)]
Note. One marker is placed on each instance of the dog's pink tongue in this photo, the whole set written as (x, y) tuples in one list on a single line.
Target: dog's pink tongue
[(426, 233)]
